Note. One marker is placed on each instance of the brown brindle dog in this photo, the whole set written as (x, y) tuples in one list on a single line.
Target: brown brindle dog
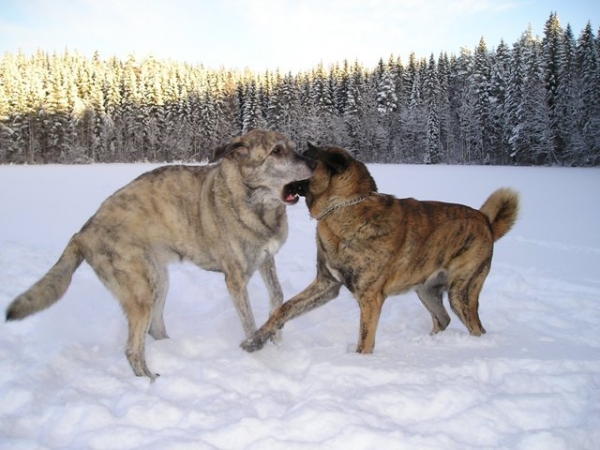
[(377, 245)]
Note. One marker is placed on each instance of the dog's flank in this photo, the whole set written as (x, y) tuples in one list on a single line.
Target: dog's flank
[(228, 217), (381, 246)]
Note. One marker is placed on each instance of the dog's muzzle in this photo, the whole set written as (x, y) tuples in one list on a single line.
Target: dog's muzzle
[(292, 191)]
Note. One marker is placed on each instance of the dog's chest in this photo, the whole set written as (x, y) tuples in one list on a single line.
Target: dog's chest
[(263, 247), (275, 232), (343, 260), (334, 272), (332, 258), (272, 246)]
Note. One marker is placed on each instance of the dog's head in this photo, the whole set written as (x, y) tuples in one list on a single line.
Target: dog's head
[(337, 176), (267, 162)]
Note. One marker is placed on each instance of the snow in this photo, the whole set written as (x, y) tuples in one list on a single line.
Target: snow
[(532, 382)]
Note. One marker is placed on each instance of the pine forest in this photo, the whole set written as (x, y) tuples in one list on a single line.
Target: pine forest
[(535, 102)]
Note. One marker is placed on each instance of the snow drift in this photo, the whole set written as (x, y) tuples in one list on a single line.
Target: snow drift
[(532, 382)]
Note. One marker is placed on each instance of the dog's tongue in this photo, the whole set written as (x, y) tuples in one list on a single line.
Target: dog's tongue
[(292, 199)]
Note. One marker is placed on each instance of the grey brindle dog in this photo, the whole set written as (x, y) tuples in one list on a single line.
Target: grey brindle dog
[(228, 217)]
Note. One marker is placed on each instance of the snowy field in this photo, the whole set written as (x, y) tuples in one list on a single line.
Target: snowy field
[(532, 382)]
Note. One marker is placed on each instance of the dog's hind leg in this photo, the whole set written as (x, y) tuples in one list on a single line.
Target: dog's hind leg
[(464, 298), (139, 314), (431, 295), (139, 292), (268, 273), (135, 282)]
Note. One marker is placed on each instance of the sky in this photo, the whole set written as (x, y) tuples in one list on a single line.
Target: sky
[(290, 35)]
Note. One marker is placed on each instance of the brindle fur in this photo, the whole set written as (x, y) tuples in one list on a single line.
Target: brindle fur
[(382, 246), (228, 217)]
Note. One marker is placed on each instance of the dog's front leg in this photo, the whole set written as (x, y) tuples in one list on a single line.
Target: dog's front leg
[(237, 285), (370, 310), (268, 273), (319, 292)]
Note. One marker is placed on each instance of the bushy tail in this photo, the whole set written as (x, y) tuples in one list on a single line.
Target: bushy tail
[(501, 209), (50, 288)]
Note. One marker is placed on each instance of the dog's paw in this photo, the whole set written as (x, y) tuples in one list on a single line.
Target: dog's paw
[(257, 341), (252, 344)]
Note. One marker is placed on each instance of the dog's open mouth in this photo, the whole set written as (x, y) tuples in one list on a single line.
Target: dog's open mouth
[(289, 195), (292, 191)]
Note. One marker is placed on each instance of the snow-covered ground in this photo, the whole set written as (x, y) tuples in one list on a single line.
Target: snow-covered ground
[(532, 382)]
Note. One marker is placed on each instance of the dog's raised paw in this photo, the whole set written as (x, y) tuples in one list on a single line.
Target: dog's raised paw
[(252, 345), (249, 345)]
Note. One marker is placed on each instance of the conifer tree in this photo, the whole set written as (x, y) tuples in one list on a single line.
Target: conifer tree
[(431, 89), (553, 53), (499, 79), (535, 102), (589, 71), (483, 135), (567, 104)]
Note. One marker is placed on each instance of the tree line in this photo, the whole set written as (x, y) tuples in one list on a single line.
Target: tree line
[(536, 102)]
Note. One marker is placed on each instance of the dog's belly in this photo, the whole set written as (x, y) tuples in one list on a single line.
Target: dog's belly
[(211, 256)]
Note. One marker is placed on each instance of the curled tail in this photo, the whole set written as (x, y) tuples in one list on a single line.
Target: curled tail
[(50, 288), (501, 208)]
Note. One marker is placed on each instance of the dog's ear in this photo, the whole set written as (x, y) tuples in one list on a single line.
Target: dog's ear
[(314, 152), (312, 148), (235, 147), (335, 161)]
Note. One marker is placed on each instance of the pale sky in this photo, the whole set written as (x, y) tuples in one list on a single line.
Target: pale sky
[(285, 34)]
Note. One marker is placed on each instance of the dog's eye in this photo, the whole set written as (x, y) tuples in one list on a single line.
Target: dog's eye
[(278, 150)]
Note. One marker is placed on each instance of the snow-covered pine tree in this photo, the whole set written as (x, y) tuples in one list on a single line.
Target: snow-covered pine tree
[(483, 132), (431, 93), (554, 64), (588, 64)]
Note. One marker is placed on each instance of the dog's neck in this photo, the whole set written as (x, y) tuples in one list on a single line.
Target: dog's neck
[(335, 207)]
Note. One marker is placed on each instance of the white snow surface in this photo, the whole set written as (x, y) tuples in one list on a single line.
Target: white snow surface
[(532, 382)]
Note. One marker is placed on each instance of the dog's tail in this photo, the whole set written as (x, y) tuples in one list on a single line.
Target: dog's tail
[(50, 288), (501, 208)]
